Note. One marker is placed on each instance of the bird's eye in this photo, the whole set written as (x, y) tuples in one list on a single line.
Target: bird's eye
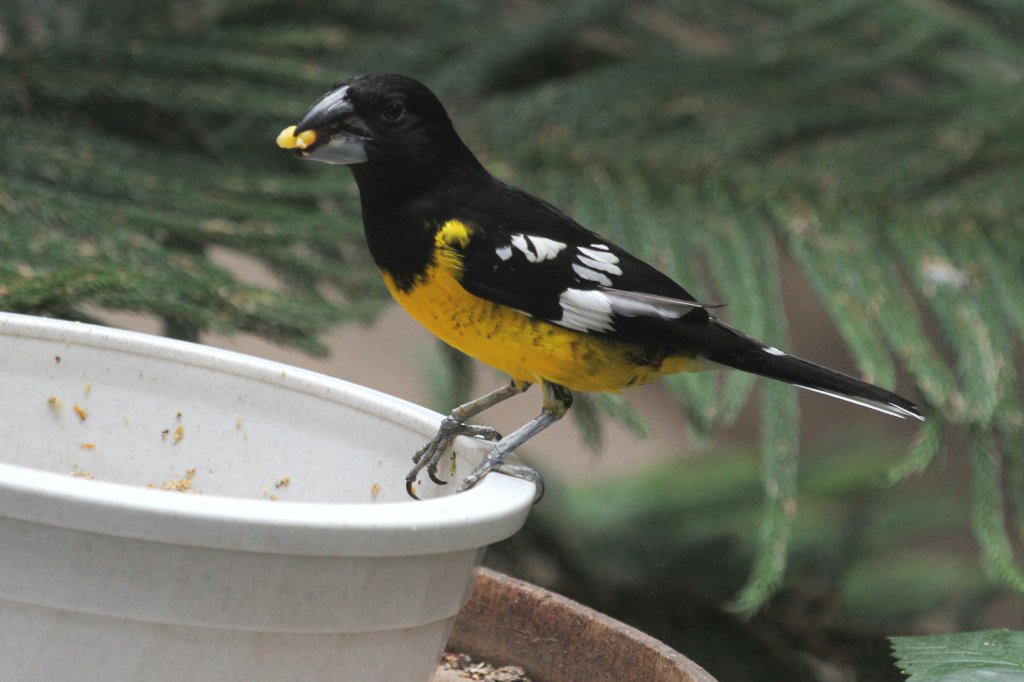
[(393, 111)]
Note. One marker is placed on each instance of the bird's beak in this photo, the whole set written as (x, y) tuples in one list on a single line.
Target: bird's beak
[(330, 131)]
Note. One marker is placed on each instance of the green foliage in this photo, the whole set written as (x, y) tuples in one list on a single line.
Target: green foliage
[(879, 144), (779, 441), (885, 560), (128, 164), (989, 524), (962, 657), (891, 590)]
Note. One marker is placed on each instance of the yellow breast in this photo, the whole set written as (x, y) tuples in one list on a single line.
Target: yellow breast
[(525, 348)]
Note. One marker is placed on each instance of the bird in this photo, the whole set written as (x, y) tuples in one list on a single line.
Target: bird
[(513, 281)]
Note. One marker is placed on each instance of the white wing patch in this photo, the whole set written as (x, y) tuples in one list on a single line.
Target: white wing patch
[(773, 350), (592, 275), (595, 263), (598, 252), (585, 310), (519, 241), (536, 249), (603, 266), (504, 252), (594, 310), (636, 304)]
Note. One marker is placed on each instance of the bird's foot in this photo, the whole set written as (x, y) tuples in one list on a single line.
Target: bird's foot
[(429, 456), (496, 463)]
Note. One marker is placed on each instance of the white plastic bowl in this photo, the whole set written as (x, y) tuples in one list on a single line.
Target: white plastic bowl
[(295, 553)]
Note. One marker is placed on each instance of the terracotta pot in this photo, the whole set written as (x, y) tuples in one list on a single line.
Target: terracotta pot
[(554, 639)]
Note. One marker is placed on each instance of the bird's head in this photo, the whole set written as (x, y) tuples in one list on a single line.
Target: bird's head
[(387, 121)]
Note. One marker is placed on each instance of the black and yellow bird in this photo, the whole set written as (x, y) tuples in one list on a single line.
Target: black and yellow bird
[(514, 282)]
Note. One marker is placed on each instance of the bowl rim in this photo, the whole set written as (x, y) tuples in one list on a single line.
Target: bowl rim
[(490, 511)]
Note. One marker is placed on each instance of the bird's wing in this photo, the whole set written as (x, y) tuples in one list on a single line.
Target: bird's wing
[(533, 258), (592, 286)]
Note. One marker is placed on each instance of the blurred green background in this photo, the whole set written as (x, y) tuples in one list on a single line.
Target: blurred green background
[(861, 157)]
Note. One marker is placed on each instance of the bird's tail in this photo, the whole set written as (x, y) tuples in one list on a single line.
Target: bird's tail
[(749, 355)]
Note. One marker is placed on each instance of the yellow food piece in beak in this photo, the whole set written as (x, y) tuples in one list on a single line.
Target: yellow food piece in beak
[(287, 139)]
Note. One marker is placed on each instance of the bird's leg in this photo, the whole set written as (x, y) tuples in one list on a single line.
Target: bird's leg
[(454, 425), (557, 401)]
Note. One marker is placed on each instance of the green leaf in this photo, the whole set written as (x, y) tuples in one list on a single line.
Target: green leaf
[(921, 454), (988, 513), (780, 415), (996, 655)]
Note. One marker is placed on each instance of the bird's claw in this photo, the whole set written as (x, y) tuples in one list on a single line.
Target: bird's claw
[(432, 473), (429, 456), (410, 487)]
